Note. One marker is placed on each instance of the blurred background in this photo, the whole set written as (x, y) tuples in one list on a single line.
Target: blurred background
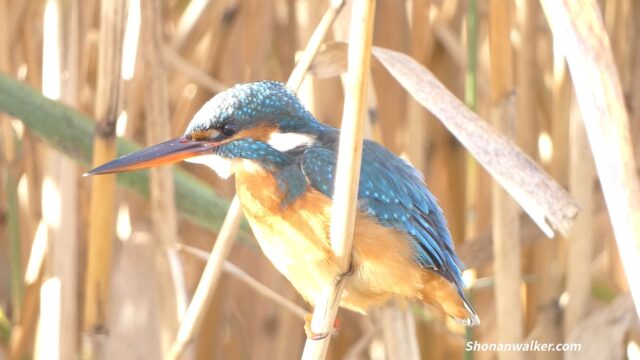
[(91, 269)]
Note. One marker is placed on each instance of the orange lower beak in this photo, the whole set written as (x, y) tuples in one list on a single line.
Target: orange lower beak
[(168, 152)]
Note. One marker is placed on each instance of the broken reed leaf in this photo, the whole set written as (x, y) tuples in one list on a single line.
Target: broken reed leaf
[(548, 204), (331, 61)]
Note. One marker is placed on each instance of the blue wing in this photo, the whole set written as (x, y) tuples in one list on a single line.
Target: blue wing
[(393, 192)]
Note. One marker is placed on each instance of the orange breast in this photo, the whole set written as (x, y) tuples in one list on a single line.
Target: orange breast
[(296, 240)]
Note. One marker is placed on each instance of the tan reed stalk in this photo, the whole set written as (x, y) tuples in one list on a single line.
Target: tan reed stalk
[(546, 255), (65, 242), (162, 189), (347, 171), (22, 333), (527, 132), (581, 240), (101, 208), (505, 212), (579, 26), (527, 75)]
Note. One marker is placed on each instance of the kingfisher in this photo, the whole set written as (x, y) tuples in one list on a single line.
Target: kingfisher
[(284, 162)]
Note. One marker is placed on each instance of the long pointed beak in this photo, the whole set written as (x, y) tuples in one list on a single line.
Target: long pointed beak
[(168, 152)]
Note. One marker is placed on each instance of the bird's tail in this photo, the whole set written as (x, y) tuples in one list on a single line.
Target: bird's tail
[(443, 295), (471, 318)]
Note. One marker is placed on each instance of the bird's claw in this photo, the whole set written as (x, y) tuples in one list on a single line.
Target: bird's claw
[(346, 274), (317, 336), (307, 318)]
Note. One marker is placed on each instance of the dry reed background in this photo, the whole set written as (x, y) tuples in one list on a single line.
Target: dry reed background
[(63, 296)]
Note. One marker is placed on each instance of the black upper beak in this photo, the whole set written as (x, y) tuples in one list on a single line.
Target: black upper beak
[(167, 152)]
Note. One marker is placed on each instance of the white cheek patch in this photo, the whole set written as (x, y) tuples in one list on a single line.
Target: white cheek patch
[(287, 141), (223, 167)]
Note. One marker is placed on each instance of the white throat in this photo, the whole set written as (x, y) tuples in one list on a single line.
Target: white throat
[(225, 167), (222, 166)]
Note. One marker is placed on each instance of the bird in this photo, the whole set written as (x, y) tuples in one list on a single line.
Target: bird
[(284, 162)]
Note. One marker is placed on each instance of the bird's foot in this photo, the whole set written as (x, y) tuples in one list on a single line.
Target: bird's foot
[(318, 336), (346, 274)]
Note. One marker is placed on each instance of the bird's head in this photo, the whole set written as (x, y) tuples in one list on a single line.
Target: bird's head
[(249, 125)]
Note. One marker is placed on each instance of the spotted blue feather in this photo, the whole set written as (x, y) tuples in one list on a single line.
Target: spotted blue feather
[(404, 204)]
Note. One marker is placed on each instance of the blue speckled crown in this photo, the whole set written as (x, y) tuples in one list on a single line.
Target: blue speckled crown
[(252, 103)]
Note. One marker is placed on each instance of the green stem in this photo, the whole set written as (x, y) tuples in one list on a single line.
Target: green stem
[(15, 257), (470, 98), (71, 132), (471, 73), (5, 328)]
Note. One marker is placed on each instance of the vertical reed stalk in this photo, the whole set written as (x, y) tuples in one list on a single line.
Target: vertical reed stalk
[(546, 255), (399, 326), (471, 72), (527, 74), (616, 15), (415, 141), (579, 26), (22, 334), (505, 213), (65, 241), (635, 79), (13, 228), (57, 338), (347, 171), (162, 189), (101, 208), (471, 166), (580, 241), (399, 333)]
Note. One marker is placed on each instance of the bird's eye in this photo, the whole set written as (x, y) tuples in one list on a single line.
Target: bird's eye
[(229, 129)]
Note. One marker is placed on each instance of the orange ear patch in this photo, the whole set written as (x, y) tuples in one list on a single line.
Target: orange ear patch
[(200, 135)]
